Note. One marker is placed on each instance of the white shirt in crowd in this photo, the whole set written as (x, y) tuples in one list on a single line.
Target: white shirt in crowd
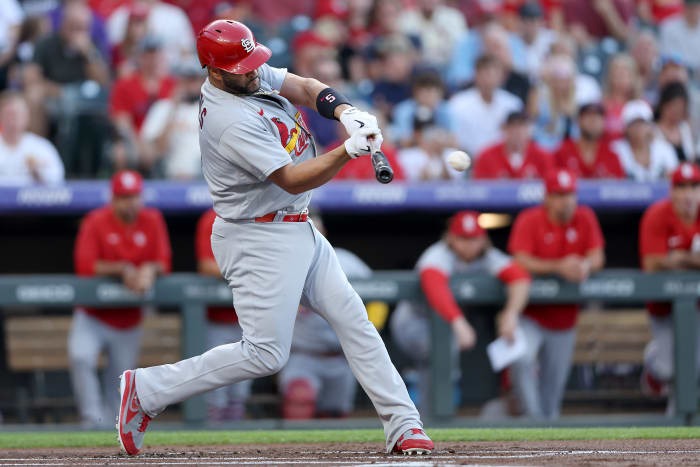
[(438, 34), (675, 37), (663, 160), (165, 22), (536, 52), (183, 159), (11, 15), (14, 165), (478, 123), (415, 160)]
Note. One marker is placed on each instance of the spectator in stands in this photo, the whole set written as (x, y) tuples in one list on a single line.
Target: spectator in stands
[(464, 247), (621, 86), (470, 47), (644, 156), (669, 240), (496, 44), (129, 242), (133, 95), (674, 69), (98, 33), (589, 155), (69, 56), (564, 239), (11, 16), (168, 23), (428, 96), (309, 47), (317, 380), (427, 159), (535, 36), (516, 156), (438, 27), (681, 35), (25, 158), (171, 129), (672, 121), (478, 112), (644, 50), (226, 403), (393, 85), (124, 56), (558, 97)]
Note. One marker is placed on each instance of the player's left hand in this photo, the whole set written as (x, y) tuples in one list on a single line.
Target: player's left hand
[(354, 119), (363, 142)]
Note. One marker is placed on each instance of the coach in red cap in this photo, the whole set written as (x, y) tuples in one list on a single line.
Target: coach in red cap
[(464, 248), (563, 239), (129, 242), (669, 239)]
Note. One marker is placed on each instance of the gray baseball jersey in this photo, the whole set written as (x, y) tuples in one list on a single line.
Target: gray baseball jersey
[(244, 140)]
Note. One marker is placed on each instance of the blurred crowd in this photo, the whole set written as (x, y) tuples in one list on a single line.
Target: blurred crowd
[(606, 88)]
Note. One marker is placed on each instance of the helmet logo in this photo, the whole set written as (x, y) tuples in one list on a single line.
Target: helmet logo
[(248, 45)]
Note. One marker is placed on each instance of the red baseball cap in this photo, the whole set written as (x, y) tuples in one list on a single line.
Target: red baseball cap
[(466, 224), (560, 181), (127, 183), (685, 173)]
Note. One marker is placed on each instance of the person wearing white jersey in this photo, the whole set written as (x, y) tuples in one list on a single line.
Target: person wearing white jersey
[(260, 163), (464, 248)]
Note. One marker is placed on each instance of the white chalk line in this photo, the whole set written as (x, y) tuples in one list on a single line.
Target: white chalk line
[(399, 460)]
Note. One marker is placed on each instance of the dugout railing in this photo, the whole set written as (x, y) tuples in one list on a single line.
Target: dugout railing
[(191, 293)]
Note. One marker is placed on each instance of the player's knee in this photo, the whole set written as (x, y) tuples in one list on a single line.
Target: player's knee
[(79, 359), (270, 358), (299, 400)]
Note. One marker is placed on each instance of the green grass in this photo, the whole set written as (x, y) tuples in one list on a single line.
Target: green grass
[(28, 440)]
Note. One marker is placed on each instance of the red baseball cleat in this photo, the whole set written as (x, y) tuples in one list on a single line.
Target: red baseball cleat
[(132, 421), (414, 441)]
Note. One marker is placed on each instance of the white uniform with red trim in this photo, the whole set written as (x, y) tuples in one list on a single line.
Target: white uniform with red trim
[(410, 322), (272, 267)]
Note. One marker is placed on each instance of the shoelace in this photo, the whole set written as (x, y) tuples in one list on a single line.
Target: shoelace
[(144, 423)]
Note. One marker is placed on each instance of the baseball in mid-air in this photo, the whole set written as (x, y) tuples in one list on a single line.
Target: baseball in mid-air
[(459, 160)]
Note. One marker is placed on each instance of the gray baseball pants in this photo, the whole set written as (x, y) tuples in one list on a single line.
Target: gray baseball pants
[(271, 268), (539, 377)]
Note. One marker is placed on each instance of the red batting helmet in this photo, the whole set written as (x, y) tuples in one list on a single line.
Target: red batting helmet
[(230, 46)]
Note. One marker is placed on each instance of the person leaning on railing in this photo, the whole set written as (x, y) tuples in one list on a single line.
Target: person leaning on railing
[(669, 239), (129, 242), (558, 238)]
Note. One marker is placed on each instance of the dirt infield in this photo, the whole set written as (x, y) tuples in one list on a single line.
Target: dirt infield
[(614, 453)]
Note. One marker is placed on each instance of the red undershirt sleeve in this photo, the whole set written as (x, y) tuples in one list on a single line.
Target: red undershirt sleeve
[(436, 287)]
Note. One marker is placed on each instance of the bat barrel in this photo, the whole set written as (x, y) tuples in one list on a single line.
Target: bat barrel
[(382, 168)]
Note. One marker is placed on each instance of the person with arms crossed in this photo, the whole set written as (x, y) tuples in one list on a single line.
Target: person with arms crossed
[(669, 240), (260, 163), (564, 239), (129, 242), (464, 248), (226, 403)]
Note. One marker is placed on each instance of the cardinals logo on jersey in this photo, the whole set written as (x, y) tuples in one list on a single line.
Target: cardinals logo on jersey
[(295, 140)]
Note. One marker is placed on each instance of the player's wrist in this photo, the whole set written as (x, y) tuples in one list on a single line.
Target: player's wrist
[(328, 101)]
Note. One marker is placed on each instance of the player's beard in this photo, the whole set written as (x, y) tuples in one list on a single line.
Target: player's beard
[(233, 84)]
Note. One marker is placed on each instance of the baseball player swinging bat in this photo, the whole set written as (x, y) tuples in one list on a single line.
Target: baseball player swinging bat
[(261, 165)]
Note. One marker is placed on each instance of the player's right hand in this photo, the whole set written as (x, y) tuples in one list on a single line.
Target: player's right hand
[(359, 143), (464, 333)]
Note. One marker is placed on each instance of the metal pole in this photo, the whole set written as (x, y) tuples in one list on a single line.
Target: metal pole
[(193, 343), (441, 384), (685, 337)]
